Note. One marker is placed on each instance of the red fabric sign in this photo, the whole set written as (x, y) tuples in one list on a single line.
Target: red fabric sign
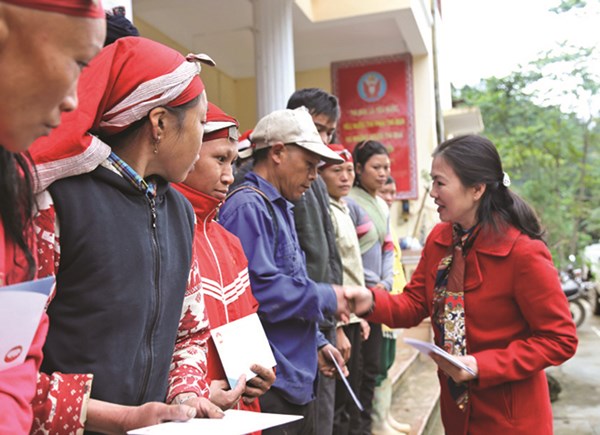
[(376, 102)]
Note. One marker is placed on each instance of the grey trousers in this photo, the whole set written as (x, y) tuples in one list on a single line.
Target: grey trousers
[(325, 395)]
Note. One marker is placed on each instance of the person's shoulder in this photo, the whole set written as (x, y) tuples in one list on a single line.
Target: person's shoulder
[(528, 246)]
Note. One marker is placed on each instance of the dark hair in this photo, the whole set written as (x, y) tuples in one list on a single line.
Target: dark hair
[(317, 101), (475, 161), (260, 154), (16, 201), (390, 180), (363, 151), (118, 26), (178, 111)]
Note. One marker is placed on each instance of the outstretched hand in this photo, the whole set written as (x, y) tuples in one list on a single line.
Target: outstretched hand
[(359, 299), (342, 311), (111, 418)]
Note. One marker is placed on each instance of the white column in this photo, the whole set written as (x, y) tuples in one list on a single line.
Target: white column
[(274, 54)]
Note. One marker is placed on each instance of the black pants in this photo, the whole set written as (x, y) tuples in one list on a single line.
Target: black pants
[(273, 402), (345, 408), (369, 368)]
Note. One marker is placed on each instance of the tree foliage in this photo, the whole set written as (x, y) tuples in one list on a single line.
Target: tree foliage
[(544, 120)]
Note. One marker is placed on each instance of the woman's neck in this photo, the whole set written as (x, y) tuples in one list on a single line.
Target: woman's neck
[(373, 193)]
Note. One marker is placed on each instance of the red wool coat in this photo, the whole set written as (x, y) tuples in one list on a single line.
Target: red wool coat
[(517, 323)]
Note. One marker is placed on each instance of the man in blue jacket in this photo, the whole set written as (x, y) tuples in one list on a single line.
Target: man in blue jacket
[(287, 151)]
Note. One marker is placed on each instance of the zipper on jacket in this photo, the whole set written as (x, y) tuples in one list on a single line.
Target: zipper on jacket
[(207, 219), (155, 307)]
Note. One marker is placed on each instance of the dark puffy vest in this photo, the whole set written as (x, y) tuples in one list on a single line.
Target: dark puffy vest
[(120, 285)]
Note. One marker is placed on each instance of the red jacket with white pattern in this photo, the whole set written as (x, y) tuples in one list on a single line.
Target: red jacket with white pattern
[(224, 271)]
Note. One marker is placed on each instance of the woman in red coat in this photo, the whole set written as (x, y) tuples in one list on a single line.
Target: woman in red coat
[(487, 280)]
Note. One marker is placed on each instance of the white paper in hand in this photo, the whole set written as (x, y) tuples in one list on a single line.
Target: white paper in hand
[(345, 381), (241, 344), (21, 308), (235, 422), (427, 348)]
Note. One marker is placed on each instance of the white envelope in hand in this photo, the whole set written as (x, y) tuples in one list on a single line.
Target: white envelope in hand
[(21, 308), (241, 344)]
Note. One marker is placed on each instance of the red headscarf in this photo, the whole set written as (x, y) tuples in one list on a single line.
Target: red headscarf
[(77, 8), (122, 84), (341, 151), (219, 124)]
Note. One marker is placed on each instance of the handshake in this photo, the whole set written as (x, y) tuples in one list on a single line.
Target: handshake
[(352, 299)]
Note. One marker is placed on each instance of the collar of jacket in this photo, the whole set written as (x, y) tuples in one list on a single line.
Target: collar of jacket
[(205, 206), (488, 242)]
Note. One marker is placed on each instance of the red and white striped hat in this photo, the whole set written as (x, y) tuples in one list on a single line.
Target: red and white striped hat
[(121, 85)]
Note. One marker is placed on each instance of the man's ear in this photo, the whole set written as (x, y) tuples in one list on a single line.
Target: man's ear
[(158, 122), (277, 152)]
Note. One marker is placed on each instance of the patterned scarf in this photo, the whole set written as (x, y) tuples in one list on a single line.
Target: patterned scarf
[(148, 188), (449, 304)]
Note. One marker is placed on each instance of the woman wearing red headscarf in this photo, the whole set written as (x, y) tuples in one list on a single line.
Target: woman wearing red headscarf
[(43, 47), (119, 239), (223, 264)]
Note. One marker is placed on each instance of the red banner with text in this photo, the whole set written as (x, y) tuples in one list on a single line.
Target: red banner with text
[(376, 102)]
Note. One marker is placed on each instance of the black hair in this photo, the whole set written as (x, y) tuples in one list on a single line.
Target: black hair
[(178, 111), (317, 101), (16, 201), (476, 161), (363, 151), (390, 180), (118, 26), (258, 155)]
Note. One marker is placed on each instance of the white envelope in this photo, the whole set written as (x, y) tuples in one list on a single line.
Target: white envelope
[(21, 308), (241, 344), (235, 422), (427, 348)]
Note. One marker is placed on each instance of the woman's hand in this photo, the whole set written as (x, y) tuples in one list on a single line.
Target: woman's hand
[(225, 397), (342, 343), (258, 385), (360, 299), (457, 374), (111, 418), (204, 407)]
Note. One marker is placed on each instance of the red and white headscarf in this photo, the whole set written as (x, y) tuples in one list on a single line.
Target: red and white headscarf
[(245, 145), (121, 85), (77, 8), (219, 125), (341, 151)]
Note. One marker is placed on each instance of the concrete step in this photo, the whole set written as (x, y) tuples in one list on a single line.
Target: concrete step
[(416, 388)]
